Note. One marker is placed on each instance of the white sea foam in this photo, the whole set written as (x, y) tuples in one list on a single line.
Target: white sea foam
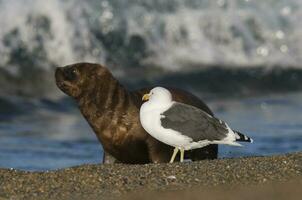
[(177, 35), (63, 42), (257, 33)]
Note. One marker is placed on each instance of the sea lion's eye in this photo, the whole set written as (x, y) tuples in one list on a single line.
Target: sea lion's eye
[(71, 74)]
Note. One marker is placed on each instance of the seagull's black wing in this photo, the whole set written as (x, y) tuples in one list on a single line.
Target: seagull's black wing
[(193, 122)]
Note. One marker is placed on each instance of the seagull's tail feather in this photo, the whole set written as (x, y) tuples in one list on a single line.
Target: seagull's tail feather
[(240, 137)]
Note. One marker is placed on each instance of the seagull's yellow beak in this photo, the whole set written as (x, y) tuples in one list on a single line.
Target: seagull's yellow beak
[(146, 97)]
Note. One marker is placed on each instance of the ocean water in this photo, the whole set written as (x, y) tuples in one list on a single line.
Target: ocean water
[(50, 137), (243, 57)]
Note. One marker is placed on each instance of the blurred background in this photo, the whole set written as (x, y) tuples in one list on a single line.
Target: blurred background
[(242, 57)]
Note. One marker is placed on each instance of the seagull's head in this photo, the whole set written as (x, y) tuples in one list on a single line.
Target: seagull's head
[(158, 94)]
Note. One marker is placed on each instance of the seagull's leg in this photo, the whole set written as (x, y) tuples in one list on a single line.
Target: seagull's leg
[(174, 154), (182, 154)]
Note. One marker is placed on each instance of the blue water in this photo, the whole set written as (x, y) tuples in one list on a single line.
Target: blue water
[(275, 124), (48, 139)]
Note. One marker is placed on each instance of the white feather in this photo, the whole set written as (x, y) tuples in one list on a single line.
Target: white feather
[(150, 115)]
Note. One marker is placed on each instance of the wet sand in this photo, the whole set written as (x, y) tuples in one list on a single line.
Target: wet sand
[(218, 179)]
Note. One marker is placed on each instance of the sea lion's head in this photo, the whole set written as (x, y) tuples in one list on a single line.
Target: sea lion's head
[(77, 79)]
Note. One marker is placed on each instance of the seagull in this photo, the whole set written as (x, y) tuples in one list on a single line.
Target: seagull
[(183, 126)]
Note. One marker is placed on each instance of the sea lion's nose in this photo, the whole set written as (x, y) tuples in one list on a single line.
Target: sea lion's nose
[(58, 72), (59, 69)]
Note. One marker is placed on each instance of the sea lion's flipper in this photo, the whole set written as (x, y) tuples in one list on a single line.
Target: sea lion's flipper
[(109, 159), (207, 152)]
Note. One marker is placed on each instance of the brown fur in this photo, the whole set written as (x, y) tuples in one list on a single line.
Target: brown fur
[(113, 114)]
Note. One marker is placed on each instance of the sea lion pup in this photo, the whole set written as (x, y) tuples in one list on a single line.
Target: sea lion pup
[(113, 114)]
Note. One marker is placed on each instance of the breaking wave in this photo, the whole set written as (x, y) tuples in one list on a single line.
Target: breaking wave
[(136, 36)]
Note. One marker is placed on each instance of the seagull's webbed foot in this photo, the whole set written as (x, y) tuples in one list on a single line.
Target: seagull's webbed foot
[(174, 154)]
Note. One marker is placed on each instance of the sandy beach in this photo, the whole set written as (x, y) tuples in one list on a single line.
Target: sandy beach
[(270, 176)]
